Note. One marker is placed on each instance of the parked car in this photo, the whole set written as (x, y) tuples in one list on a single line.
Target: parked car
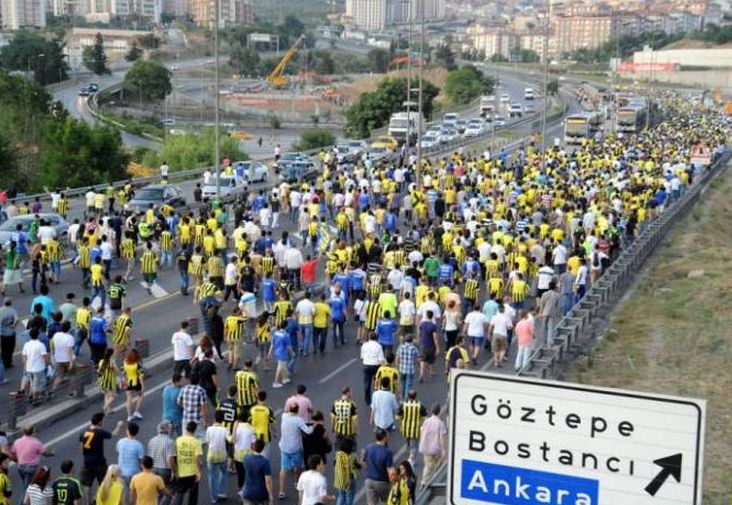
[(460, 126), (8, 228), (378, 153), (157, 195), (474, 128), (298, 171)]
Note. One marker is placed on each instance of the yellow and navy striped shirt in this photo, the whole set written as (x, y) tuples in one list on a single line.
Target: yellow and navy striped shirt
[(166, 241), (471, 289), (411, 413), (344, 418), (234, 328), (149, 262), (247, 387), (208, 289), (121, 331)]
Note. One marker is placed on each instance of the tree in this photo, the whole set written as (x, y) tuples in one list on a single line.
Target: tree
[(445, 57), (314, 139), (149, 41), (379, 60), (149, 78), (529, 56), (134, 53), (373, 109), (552, 87), (245, 60), (194, 150), (465, 84), (323, 63), (31, 51), (94, 57)]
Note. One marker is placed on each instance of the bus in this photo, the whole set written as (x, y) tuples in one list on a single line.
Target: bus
[(631, 118), (402, 124), (577, 127)]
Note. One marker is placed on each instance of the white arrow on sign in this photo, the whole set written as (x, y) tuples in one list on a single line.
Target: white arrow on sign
[(516, 441)]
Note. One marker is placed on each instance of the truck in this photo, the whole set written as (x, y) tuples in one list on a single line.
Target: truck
[(487, 105), (403, 125), (631, 118), (577, 127)]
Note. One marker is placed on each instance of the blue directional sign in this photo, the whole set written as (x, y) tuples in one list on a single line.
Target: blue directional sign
[(515, 441)]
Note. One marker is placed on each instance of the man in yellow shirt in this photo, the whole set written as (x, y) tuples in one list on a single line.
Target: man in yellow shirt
[(145, 487), (321, 317), (188, 461)]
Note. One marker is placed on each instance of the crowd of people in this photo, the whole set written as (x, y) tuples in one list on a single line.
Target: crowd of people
[(425, 267)]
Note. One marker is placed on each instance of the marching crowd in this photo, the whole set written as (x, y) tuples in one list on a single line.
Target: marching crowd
[(426, 268)]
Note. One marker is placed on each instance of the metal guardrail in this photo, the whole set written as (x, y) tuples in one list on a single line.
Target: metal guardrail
[(579, 327)]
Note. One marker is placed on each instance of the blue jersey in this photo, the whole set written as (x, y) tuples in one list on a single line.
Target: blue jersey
[(390, 222), (385, 330), (337, 309), (358, 277), (470, 266), (292, 329), (268, 289), (98, 330), (344, 279), (363, 201), (445, 273)]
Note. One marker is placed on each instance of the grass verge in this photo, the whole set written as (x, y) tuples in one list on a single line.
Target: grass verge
[(672, 334)]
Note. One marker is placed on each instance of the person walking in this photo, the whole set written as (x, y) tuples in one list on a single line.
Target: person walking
[(92, 450), (550, 312), (146, 486), (312, 486), (27, 452), (346, 467), (129, 456), (161, 450), (111, 490), (135, 378), (172, 412), (39, 491), (384, 406), (67, 489), (258, 487), (432, 444), (216, 456), (372, 356), (188, 463), (406, 356), (8, 323), (410, 414), (193, 401), (525, 336), (182, 350), (291, 454), (377, 459), (108, 381)]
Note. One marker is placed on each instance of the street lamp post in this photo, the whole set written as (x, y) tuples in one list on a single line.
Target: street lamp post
[(545, 98), (418, 173), (217, 98)]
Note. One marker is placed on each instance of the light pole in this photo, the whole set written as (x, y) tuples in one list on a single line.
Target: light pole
[(217, 148), (545, 98), (418, 172)]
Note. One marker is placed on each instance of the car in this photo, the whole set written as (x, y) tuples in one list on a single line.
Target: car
[(227, 187), (474, 128), (505, 98), (251, 171), (93, 87), (429, 140), (448, 135), (84, 91), (168, 121), (378, 153), (8, 227), (298, 171), (384, 141), (157, 195), (450, 119), (343, 153), (241, 135), (460, 126), (529, 109), (357, 147), (433, 128), (499, 120), (514, 110)]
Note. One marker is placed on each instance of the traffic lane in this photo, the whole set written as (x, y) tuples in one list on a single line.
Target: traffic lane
[(324, 375)]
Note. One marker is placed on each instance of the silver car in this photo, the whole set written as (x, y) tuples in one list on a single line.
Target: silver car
[(8, 228)]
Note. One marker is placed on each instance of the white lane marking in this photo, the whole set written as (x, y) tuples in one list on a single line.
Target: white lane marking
[(77, 429), (337, 371)]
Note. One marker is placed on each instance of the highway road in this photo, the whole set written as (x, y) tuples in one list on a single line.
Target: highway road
[(156, 317)]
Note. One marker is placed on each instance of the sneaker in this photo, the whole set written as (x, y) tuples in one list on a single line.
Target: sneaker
[(282, 496), (286, 381), (137, 415), (276, 385), (130, 419)]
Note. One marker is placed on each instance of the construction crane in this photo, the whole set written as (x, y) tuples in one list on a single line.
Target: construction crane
[(277, 77)]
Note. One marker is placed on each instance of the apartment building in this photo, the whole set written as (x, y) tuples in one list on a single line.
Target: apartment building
[(493, 41), (376, 15), (231, 12), (20, 14)]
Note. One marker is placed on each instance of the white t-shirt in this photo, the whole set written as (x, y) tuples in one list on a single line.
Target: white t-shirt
[(46, 234), (406, 312), (106, 248), (429, 305), (305, 310), (62, 342), (475, 321), (313, 486), (372, 353), (216, 440), (89, 197), (544, 278), (244, 439), (501, 323), (34, 352), (182, 343), (230, 275)]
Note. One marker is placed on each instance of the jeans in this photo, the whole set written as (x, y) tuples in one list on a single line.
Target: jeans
[(186, 485), (85, 277), (345, 497), (307, 338), (26, 473), (166, 258), (204, 305), (7, 348), (2, 372), (567, 302), (319, 338), (101, 292), (338, 333), (217, 480), (407, 379), (581, 288), (369, 372), (522, 356), (80, 336), (184, 281)]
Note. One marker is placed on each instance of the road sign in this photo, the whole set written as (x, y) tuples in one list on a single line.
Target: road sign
[(516, 441)]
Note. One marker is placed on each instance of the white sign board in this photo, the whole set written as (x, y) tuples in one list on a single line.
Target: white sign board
[(516, 441)]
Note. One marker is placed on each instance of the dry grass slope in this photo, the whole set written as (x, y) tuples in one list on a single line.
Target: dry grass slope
[(672, 333)]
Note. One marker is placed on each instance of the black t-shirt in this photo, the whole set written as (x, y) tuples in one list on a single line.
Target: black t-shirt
[(66, 490), (206, 370), (230, 408), (92, 446)]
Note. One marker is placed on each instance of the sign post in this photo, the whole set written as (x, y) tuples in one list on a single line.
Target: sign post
[(516, 441)]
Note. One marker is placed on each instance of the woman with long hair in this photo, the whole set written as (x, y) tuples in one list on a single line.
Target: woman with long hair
[(108, 382), (134, 375), (40, 491), (403, 485), (110, 490)]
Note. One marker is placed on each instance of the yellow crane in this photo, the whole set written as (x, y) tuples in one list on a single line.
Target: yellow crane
[(277, 77)]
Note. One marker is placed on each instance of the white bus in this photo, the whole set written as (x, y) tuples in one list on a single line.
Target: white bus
[(577, 127), (402, 124)]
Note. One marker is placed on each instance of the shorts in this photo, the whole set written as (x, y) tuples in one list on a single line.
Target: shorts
[(63, 369), (428, 355), (407, 329), (499, 343), (293, 461), (149, 278), (134, 387), (376, 490), (476, 341), (37, 380), (91, 473)]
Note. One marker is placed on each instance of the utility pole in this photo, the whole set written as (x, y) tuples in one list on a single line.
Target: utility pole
[(217, 140), (418, 172), (545, 97), (409, 72)]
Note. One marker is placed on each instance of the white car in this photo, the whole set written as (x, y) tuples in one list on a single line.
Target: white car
[(228, 185), (514, 110), (505, 98), (499, 120), (450, 119), (250, 171), (474, 128), (357, 147), (430, 140), (377, 153), (448, 135)]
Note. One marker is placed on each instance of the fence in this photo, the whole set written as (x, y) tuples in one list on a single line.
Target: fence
[(580, 326)]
